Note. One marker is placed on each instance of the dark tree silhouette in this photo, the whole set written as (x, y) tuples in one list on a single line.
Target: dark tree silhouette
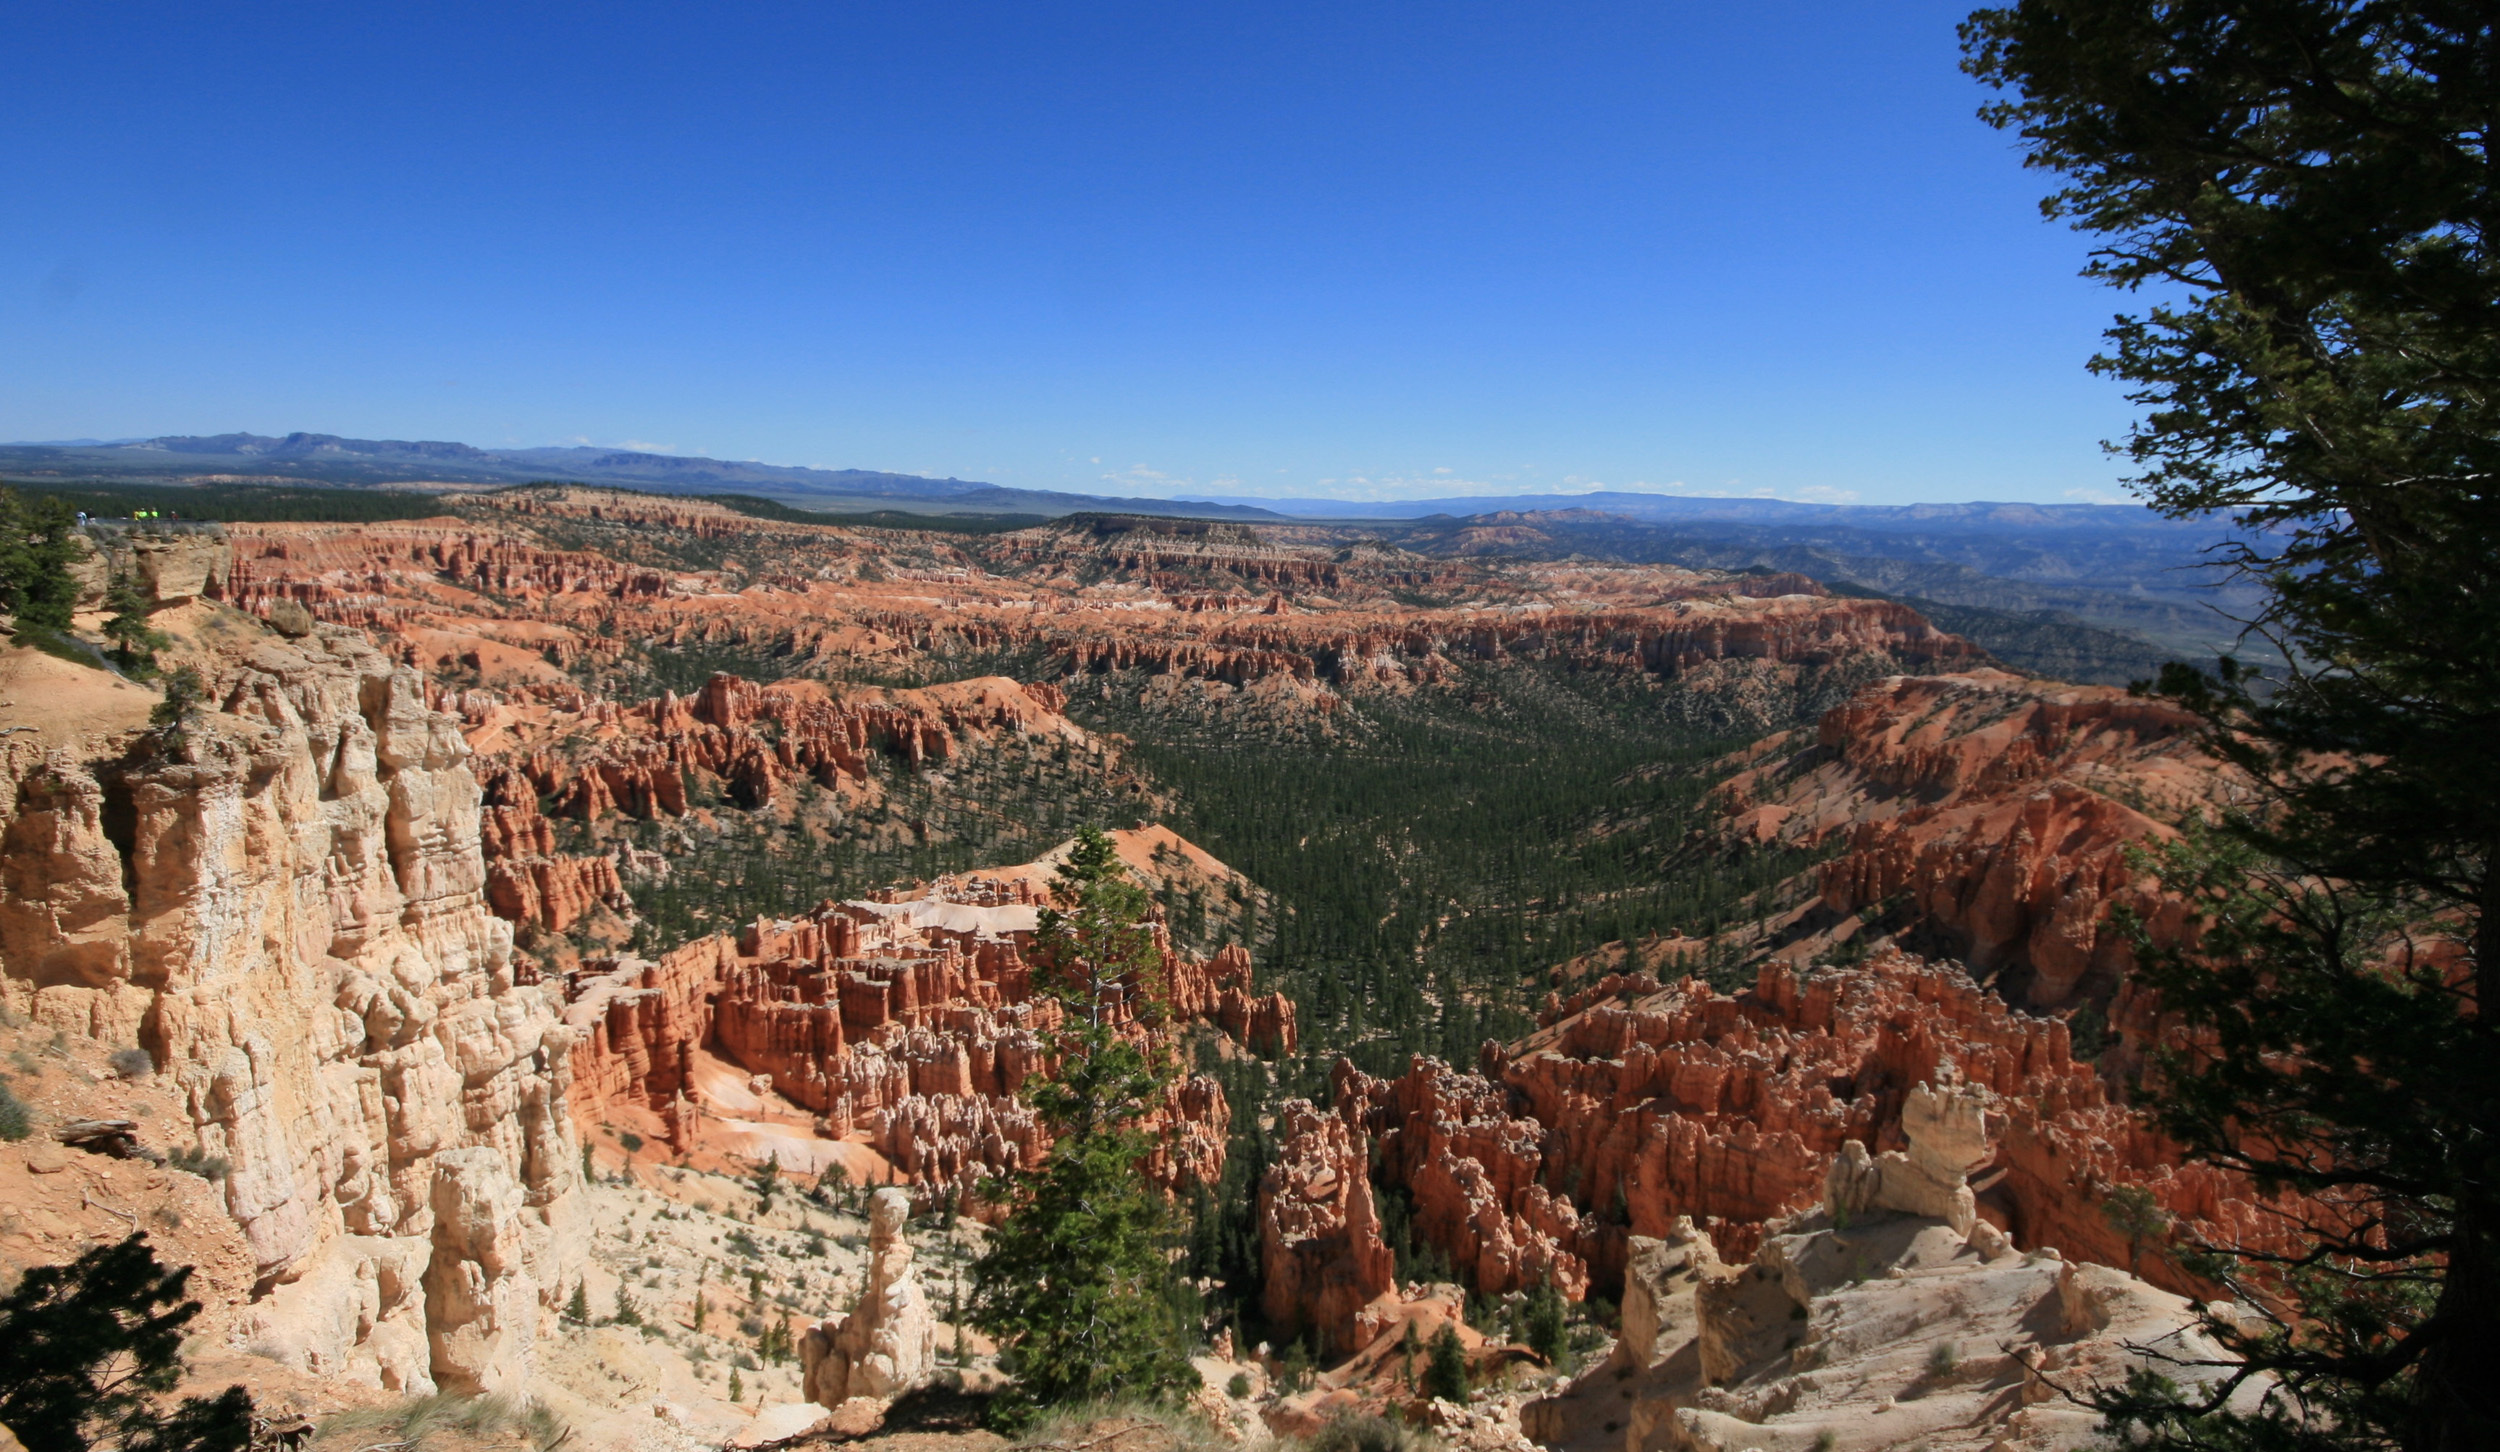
[(87, 1350), (2306, 187)]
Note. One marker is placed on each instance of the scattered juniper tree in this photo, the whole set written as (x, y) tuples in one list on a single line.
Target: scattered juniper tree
[(2307, 189)]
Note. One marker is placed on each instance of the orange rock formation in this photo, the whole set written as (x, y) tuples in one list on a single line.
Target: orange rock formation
[(492, 594), (2001, 809), (909, 1025), (1622, 1116)]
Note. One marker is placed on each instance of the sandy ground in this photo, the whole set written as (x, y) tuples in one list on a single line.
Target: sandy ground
[(65, 705)]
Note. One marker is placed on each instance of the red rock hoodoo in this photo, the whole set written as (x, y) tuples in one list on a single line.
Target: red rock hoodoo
[(906, 1026), (1648, 1102)]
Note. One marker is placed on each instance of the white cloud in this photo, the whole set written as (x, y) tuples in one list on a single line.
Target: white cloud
[(639, 447), (2097, 496)]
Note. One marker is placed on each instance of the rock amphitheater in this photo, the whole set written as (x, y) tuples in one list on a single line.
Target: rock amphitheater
[(431, 1152)]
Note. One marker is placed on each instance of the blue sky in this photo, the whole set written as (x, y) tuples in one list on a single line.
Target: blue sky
[(1348, 249)]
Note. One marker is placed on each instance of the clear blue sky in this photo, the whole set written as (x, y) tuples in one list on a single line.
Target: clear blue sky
[(1355, 249)]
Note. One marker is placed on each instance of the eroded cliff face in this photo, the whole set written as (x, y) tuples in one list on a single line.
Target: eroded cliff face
[(1319, 1230), (284, 902), (1996, 812), (1295, 611), (1642, 1104), (905, 1025)]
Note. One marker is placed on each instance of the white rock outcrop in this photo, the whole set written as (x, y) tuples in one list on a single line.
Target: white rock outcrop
[(889, 1344), (1891, 1318), (1948, 1132), (284, 904)]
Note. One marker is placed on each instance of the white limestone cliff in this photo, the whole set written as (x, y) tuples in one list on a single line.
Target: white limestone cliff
[(284, 904)]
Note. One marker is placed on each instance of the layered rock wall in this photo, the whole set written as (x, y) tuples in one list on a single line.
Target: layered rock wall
[(1996, 811), (495, 599), (284, 902)]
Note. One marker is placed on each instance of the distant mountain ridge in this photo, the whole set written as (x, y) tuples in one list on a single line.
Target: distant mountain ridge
[(335, 459), (1681, 508), (369, 463), (2105, 590)]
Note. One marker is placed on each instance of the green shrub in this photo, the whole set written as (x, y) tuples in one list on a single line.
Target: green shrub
[(196, 1161), (471, 1418), (1543, 1324), (1355, 1433), (16, 1120)]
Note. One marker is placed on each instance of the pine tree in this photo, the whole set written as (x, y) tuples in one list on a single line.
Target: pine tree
[(2308, 187), (1096, 952), (135, 642), (577, 1310), (85, 1347), (737, 1388), (185, 694), (1544, 1325), (38, 544), (1445, 1370), (626, 1315), (1073, 1284)]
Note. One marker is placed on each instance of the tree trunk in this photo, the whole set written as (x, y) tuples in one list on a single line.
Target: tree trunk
[(2460, 1374)]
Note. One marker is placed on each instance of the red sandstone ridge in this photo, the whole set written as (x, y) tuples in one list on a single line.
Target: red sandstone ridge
[(494, 594), (593, 757), (1999, 809), (588, 758), (904, 1025), (1620, 1117)]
